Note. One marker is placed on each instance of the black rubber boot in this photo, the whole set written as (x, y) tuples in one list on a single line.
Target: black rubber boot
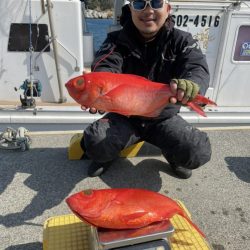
[(97, 169), (181, 172)]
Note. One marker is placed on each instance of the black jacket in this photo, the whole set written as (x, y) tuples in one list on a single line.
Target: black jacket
[(172, 54)]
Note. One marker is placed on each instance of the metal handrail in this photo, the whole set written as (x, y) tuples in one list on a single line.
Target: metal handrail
[(70, 53), (67, 50)]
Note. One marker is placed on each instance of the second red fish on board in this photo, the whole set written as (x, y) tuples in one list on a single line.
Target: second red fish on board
[(121, 208)]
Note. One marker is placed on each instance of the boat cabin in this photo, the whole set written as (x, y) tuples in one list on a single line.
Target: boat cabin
[(46, 41)]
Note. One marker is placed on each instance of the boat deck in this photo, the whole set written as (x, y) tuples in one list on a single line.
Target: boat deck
[(35, 183)]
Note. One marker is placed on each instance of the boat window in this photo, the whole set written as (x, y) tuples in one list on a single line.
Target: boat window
[(19, 38), (242, 46)]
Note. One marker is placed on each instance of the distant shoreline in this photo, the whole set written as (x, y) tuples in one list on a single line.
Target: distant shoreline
[(107, 14)]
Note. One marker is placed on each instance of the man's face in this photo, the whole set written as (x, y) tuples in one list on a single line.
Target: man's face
[(149, 21)]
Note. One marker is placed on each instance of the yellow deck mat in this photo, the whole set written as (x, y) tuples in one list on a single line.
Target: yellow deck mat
[(75, 152), (67, 232)]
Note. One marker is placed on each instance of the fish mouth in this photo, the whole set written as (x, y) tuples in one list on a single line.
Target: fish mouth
[(67, 84)]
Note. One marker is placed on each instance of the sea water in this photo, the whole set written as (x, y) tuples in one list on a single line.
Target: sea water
[(99, 29)]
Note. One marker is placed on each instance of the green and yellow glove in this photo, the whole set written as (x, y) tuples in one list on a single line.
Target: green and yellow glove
[(190, 88)]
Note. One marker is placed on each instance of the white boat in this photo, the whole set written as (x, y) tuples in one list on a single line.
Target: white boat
[(45, 43), (34, 185)]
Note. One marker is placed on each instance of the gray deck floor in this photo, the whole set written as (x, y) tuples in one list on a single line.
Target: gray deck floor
[(35, 183)]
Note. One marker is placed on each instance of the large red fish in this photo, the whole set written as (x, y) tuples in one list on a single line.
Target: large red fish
[(124, 208), (125, 94)]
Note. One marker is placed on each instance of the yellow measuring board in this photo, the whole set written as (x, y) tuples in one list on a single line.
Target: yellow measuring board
[(68, 232)]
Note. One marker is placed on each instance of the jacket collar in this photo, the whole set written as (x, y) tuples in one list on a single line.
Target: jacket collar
[(131, 38)]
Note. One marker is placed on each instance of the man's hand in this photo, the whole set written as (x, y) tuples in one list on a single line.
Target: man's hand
[(94, 111), (184, 90), (91, 110)]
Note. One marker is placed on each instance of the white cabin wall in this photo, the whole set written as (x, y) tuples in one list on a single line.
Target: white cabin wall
[(208, 33), (233, 79), (14, 66), (229, 80)]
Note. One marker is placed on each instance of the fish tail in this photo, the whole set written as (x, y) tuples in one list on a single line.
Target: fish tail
[(196, 108), (199, 101), (193, 225)]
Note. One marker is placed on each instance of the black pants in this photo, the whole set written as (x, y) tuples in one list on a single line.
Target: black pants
[(181, 143)]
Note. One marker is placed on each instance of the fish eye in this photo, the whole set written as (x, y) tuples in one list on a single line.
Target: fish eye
[(79, 82), (88, 192)]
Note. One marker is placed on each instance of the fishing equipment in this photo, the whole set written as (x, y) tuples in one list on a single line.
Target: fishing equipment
[(30, 89), (36, 85), (15, 139)]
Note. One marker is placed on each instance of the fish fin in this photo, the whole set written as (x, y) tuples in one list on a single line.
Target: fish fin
[(138, 77), (135, 215), (113, 92), (107, 99), (199, 101)]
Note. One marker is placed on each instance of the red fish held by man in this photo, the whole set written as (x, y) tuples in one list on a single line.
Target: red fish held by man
[(125, 94), (122, 208)]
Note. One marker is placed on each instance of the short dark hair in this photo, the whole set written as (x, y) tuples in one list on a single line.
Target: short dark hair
[(126, 15)]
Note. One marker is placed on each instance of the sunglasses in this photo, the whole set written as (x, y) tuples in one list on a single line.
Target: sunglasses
[(141, 5)]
